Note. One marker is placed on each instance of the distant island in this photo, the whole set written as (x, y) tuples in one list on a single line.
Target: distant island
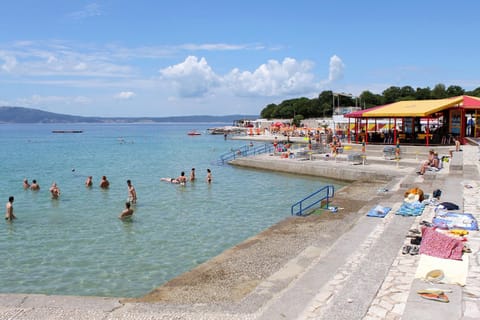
[(28, 115)]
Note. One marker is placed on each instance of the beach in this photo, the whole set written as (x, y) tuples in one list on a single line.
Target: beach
[(324, 266)]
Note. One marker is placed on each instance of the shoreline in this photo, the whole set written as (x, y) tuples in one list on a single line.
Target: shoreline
[(249, 280)]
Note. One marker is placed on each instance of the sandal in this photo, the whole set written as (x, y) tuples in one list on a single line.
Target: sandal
[(417, 240), (414, 250), (426, 223), (442, 297), (406, 249)]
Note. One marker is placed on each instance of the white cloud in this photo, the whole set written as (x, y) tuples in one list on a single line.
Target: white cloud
[(125, 95), (273, 79), (336, 69), (39, 100), (191, 78), (195, 78), (80, 66), (10, 62), (90, 10)]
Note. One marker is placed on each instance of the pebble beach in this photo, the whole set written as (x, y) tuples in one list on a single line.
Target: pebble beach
[(340, 265)]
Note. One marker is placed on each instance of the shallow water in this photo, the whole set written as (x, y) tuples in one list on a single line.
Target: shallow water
[(77, 245)]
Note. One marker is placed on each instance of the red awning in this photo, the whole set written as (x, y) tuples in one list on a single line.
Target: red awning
[(471, 102)]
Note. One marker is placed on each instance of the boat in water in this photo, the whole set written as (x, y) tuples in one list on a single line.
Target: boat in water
[(193, 133), (67, 131)]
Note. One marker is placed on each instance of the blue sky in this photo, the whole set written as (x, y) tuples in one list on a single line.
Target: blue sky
[(166, 58)]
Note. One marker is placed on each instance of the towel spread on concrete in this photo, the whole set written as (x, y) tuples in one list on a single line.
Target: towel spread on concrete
[(454, 271), (438, 245)]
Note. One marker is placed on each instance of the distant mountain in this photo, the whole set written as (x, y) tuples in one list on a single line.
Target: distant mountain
[(27, 115)]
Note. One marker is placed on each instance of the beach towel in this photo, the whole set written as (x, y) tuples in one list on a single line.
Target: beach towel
[(452, 220), (454, 271), (439, 245), (411, 209), (378, 211)]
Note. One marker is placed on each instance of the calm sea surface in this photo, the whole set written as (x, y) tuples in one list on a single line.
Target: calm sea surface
[(77, 245)]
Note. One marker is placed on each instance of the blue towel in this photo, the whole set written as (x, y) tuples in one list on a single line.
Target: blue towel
[(411, 209), (454, 220), (378, 212)]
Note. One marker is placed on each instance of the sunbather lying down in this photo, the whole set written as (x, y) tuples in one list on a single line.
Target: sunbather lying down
[(172, 180)]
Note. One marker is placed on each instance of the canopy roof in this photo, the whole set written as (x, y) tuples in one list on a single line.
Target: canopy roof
[(470, 102), (413, 108)]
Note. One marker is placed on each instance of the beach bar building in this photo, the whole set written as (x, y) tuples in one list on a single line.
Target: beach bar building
[(418, 122)]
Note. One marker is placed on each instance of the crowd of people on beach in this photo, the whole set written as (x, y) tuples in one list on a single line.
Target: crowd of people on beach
[(104, 184)]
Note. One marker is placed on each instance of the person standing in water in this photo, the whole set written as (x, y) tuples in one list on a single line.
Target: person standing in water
[(55, 191), (35, 186), (132, 194), (209, 176), (192, 175), (104, 184), (9, 216), (26, 185), (89, 182), (127, 212)]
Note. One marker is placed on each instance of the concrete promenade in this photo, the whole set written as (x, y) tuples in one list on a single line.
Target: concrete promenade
[(364, 275)]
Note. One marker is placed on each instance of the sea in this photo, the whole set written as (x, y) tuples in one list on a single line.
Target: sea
[(77, 245)]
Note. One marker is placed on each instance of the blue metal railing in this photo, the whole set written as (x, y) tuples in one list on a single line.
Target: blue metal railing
[(318, 197), (244, 151)]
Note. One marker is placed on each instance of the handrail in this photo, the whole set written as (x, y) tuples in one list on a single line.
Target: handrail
[(326, 193), (245, 151)]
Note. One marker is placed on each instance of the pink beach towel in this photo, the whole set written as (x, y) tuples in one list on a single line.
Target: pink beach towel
[(438, 245)]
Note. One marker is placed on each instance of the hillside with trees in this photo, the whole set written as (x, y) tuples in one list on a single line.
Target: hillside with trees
[(304, 108), (28, 115)]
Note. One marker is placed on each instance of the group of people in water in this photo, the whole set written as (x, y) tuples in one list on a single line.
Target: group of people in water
[(104, 184), (182, 179)]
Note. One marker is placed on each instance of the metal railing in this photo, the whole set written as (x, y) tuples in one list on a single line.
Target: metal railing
[(244, 151), (321, 196)]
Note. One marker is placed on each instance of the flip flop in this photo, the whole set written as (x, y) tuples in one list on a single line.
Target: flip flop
[(414, 250), (442, 297), (406, 249)]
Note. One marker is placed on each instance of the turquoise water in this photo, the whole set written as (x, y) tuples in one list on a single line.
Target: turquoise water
[(77, 245)]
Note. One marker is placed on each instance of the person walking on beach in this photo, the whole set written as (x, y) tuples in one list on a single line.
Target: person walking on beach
[(9, 216), (26, 185), (209, 176), (104, 184), (35, 186), (132, 194), (55, 191), (192, 175), (127, 212), (89, 182)]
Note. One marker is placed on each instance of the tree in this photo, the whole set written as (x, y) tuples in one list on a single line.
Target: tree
[(407, 91), (268, 111), (369, 99), (475, 92), (392, 94), (453, 91), (297, 120), (439, 91), (423, 93)]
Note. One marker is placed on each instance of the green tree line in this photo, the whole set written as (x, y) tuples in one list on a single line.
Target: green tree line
[(304, 108)]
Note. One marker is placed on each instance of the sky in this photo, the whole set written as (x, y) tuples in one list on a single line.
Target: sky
[(170, 58)]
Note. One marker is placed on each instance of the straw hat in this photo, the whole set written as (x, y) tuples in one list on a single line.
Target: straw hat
[(412, 197)]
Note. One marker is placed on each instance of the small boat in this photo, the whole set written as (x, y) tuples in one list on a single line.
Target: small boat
[(194, 133), (67, 131)]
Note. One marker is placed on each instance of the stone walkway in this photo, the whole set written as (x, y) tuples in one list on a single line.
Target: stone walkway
[(363, 276), (391, 300)]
